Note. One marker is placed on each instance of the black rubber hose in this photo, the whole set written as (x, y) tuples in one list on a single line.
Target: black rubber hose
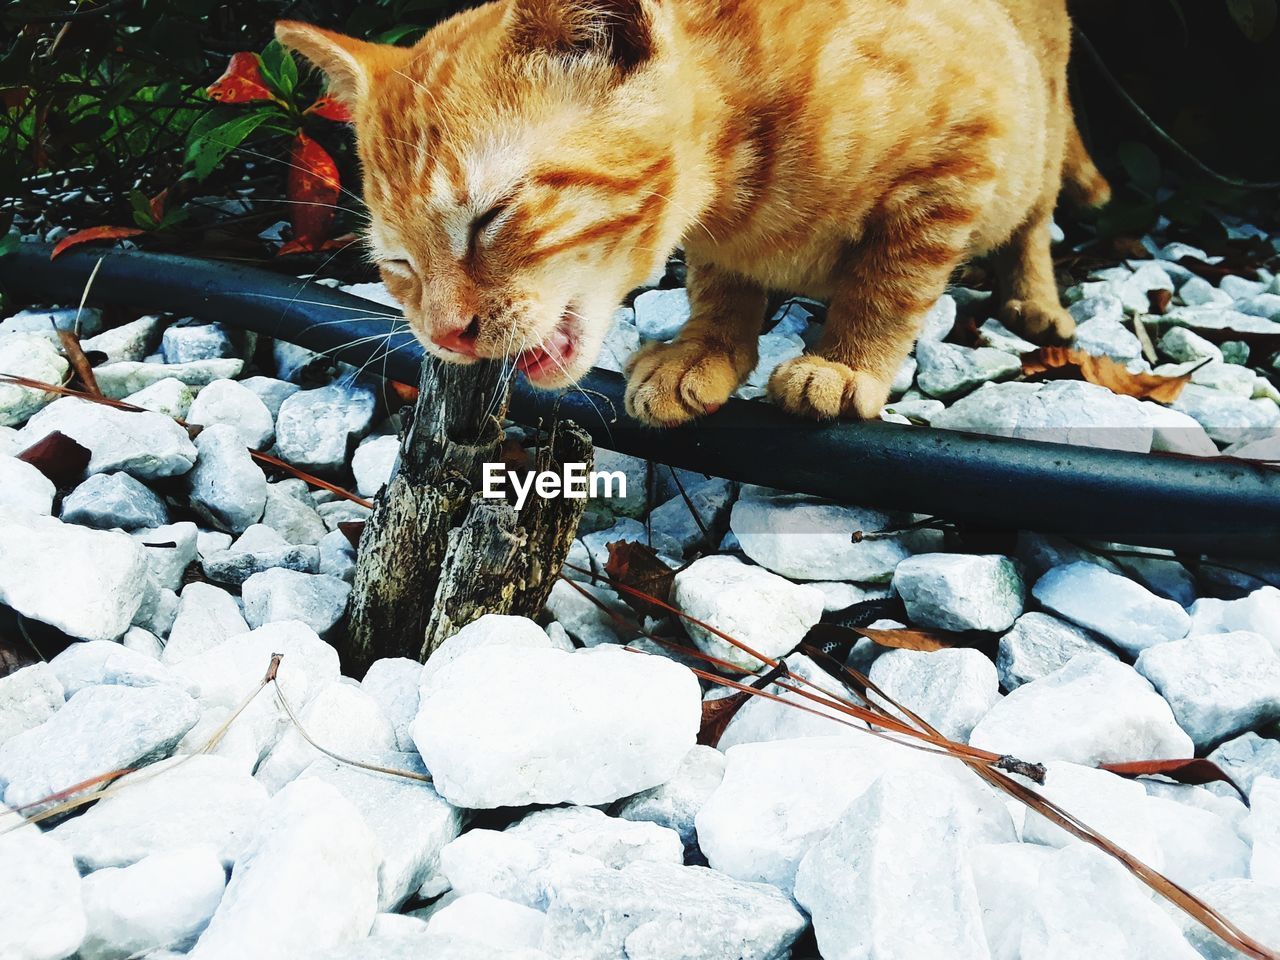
[(1214, 506)]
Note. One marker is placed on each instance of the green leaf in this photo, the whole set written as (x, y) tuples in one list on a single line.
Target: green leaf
[(1142, 165), (209, 143), (1255, 18), (279, 69), (141, 209)]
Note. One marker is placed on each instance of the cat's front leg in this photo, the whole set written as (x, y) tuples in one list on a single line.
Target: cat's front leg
[(671, 383), (884, 285)]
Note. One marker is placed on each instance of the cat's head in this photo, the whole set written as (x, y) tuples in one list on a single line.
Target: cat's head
[(518, 168)]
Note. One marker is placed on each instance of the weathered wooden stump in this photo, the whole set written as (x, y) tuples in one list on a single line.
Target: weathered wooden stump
[(435, 554)]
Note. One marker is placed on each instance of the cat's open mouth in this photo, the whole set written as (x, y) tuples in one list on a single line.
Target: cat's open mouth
[(550, 359)]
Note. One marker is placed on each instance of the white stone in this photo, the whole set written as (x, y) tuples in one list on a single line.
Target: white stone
[(1101, 306), (1175, 432), (779, 798), (1258, 612), (259, 548), (1113, 806), (585, 831), (1218, 685), (672, 524), (306, 880), (1093, 710), (410, 820), (99, 730), (841, 596), (937, 323), (41, 912), (41, 556), (337, 555), (161, 901), (1227, 418), (340, 716), (170, 805), (806, 539), (1262, 829), (96, 662), (951, 690), (185, 342), (169, 397), (28, 697), (622, 340), (270, 391), (676, 803), (948, 370), (1226, 377), (86, 322), (226, 401), (960, 591), (487, 920), (227, 488), (1105, 337), (170, 550), (108, 501), (1122, 611), (1249, 904), (1197, 845), (583, 619), (775, 349), (761, 718), (317, 600), (23, 487), (1199, 292), (491, 630), (35, 357), (373, 462), (995, 334), (118, 380), (129, 341), (758, 608), (1182, 345), (143, 444), (1116, 919), (903, 841), (1005, 876), (1039, 644), (1246, 758), (657, 911), (315, 428), (625, 721), (393, 684), (207, 615), (627, 529), (661, 313)]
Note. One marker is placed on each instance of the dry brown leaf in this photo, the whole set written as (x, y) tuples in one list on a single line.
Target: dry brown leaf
[(926, 641), (716, 715), (1065, 363), (59, 458), (1159, 300), (638, 566), (1196, 770), (353, 530)]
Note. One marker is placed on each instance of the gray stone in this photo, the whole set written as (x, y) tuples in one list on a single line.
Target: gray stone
[(672, 524), (306, 880), (40, 556), (41, 911), (1103, 306), (227, 488), (270, 391), (948, 370), (373, 462), (1182, 345), (143, 641), (1038, 644), (806, 539), (110, 500), (163, 900), (129, 341), (1218, 685), (1093, 710), (960, 591), (315, 428), (23, 487), (170, 397), (937, 323), (996, 335), (762, 718), (230, 403), (183, 343), (1247, 757), (207, 615), (292, 516), (170, 550), (259, 548), (100, 729), (145, 445), (759, 609), (1122, 611), (951, 690), (337, 512), (661, 313), (611, 746), (36, 358), (1175, 432), (337, 556), (293, 361), (582, 618), (654, 911), (28, 697), (675, 804), (118, 380), (1199, 292), (98, 662), (318, 601)]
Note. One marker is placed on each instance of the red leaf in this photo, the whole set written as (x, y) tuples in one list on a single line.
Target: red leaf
[(314, 187), (92, 234), (716, 715), (638, 566), (158, 203), (59, 458), (1196, 770), (353, 530), (330, 109), (241, 83)]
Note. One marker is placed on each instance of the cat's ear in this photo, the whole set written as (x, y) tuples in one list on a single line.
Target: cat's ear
[(350, 64), (622, 30)]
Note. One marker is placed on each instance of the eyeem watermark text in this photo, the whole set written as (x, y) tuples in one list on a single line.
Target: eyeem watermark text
[(575, 483)]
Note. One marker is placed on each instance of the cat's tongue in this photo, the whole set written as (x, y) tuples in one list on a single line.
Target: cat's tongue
[(547, 359)]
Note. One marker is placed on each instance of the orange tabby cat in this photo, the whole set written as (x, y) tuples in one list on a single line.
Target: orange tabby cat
[(529, 162)]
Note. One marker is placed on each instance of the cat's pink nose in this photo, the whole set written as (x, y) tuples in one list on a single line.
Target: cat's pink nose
[(460, 339)]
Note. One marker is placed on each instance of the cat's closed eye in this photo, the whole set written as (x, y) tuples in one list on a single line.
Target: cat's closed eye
[(397, 266), (482, 222)]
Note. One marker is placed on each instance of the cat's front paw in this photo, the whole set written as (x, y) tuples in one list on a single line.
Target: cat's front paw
[(671, 383), (821, 389), (1041, 322)]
